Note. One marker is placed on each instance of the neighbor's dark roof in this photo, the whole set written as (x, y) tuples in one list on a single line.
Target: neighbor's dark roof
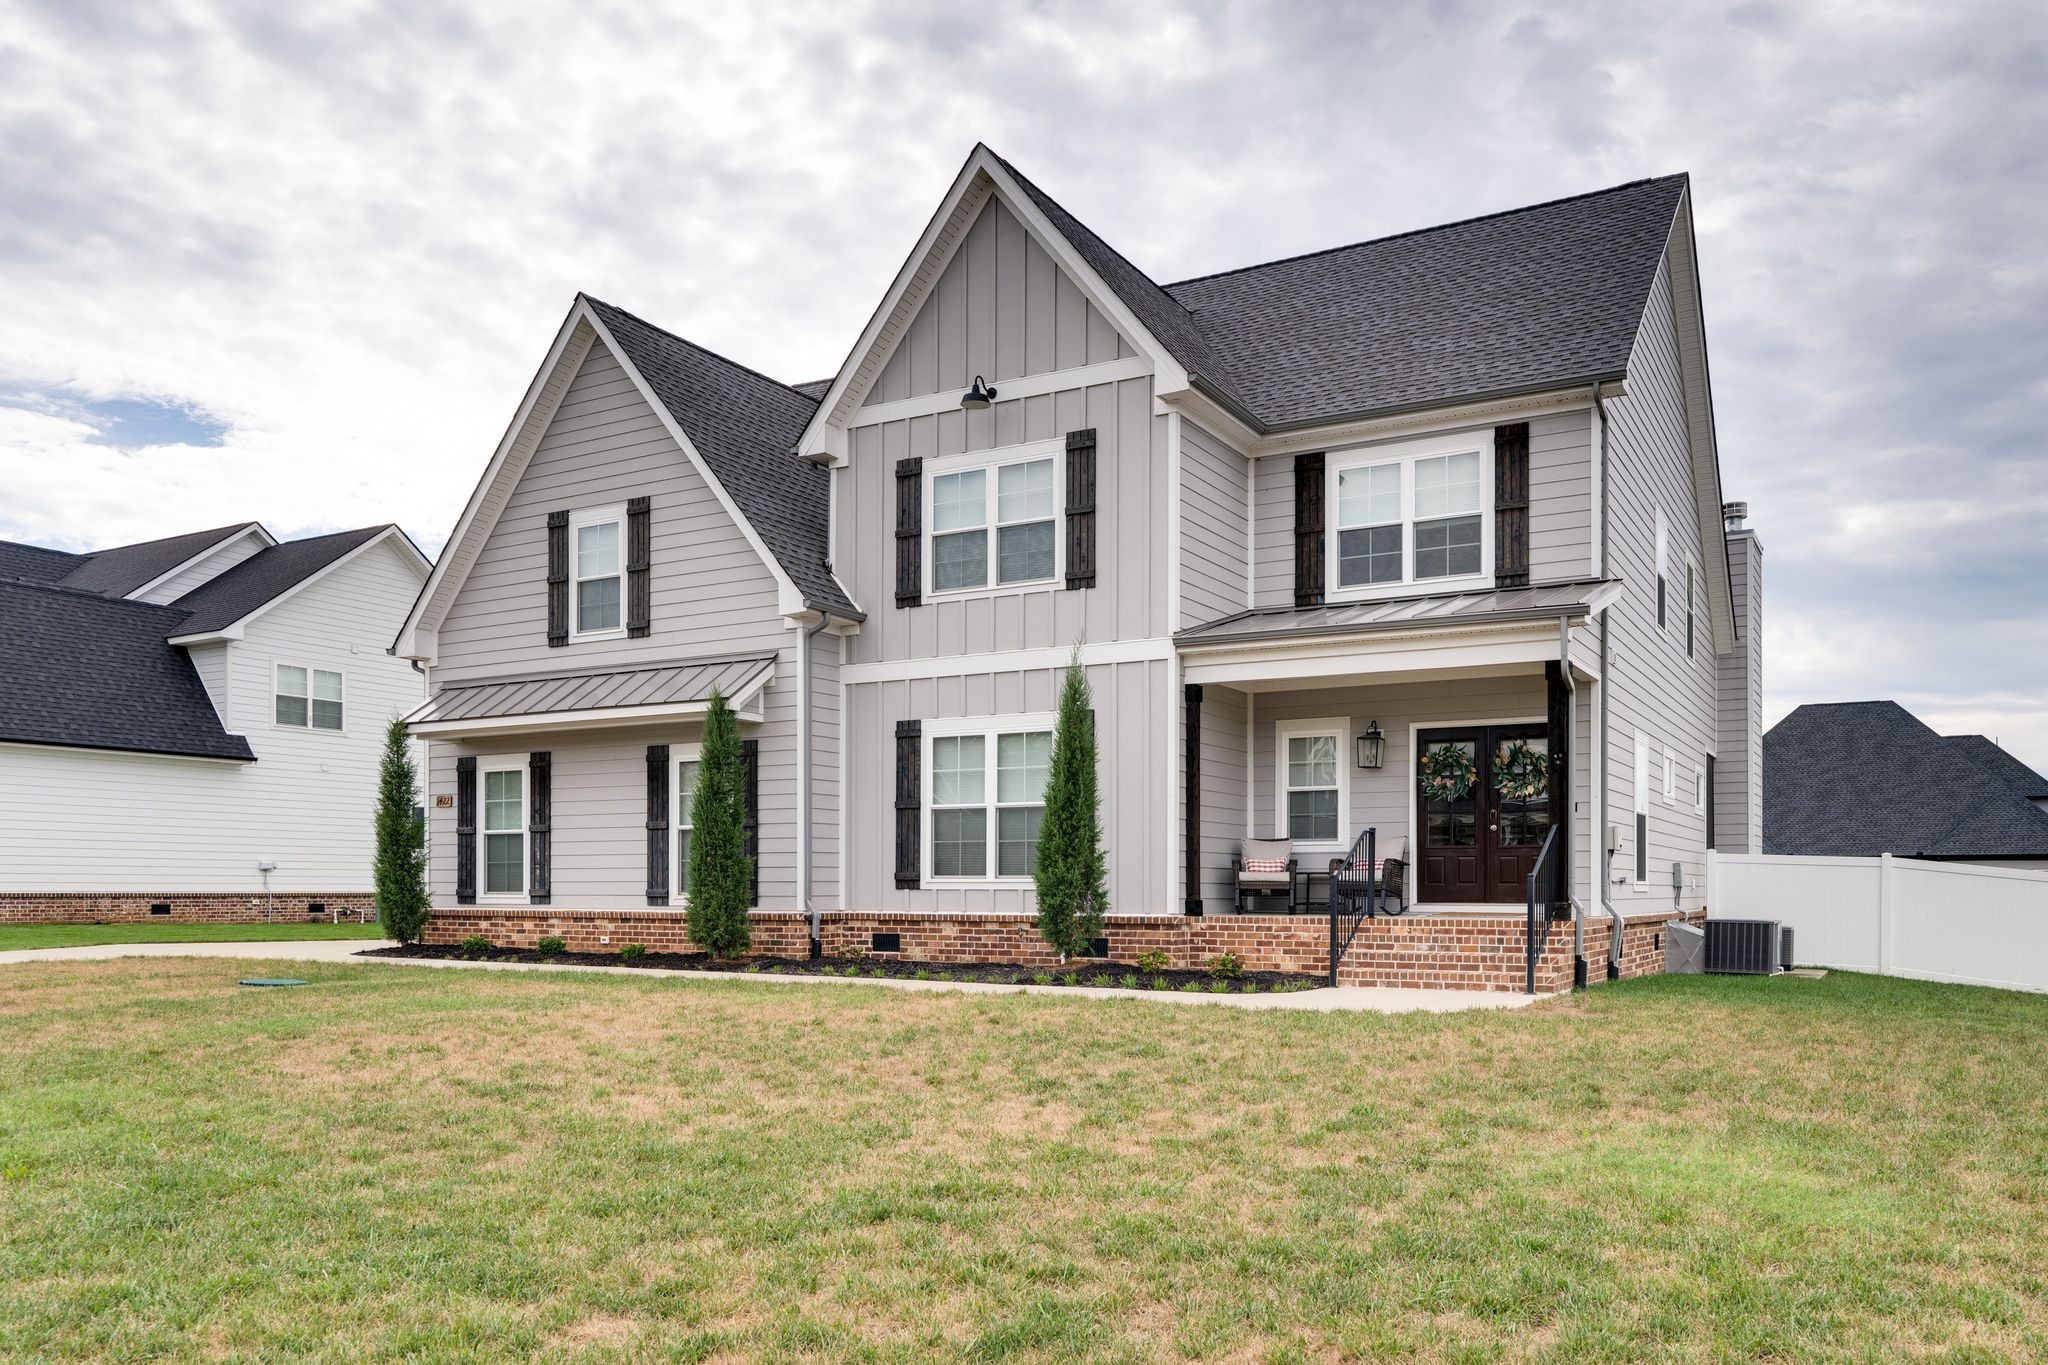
[(84, 670), (124, 568), (1512, 302), (220, 602), (2001, 765), (1856, 779), (34, 563), (746, 426)]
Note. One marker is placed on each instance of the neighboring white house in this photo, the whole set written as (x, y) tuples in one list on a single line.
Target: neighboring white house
[(195, 722)]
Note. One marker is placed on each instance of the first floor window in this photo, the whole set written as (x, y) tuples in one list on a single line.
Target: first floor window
[(309, 697), (1310, 778), (596, 540), (1642, 807), (983, 823), (505, 830), (1015, 503), (686, 796)]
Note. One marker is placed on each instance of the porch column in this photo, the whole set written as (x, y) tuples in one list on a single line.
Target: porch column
[(1558, 715), (1191, 820)]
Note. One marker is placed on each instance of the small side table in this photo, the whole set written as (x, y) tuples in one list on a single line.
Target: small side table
[(1303, 897)]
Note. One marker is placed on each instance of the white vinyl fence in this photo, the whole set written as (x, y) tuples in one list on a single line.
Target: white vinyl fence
[(1981, 926)]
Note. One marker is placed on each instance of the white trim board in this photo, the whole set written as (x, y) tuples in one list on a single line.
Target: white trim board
[(254, 528), (1005, 661), (1010, 390)]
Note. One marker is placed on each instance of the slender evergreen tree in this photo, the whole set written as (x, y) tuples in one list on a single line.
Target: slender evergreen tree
[(721, 873), (1072, 873), (401, 867)]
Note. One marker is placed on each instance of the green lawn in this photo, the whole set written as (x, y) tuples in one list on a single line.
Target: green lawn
[(76, 935), (402, 1163)]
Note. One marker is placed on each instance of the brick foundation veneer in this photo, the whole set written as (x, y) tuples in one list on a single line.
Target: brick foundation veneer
[(1445, 952), (187, 907)]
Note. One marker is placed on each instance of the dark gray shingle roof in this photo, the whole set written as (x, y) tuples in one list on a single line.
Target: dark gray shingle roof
[(1527, 299), (85, 670), (221, 601), (746, 427), (34, 563), (2001, 765), (124, 568), (1856, 779)]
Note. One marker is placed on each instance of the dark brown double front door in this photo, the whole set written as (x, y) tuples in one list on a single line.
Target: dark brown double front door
[(1482, 803)]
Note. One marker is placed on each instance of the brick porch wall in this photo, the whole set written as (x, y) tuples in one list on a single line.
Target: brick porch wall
[(187, 907), (1443, 952)]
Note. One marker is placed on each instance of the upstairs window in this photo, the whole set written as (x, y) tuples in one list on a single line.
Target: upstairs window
[(994, 525), (1663, 561), (308, 698), (597, 558), (1409, 514)]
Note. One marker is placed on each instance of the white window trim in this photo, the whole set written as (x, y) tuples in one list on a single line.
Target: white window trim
[(989, 727), (277, 666), (1670, 778), (596, 516), (1662, 604), (498, 763), (1639, 831), (1699, 788), (1340, 727), (992, 461), (1406, 454), (678, 755)]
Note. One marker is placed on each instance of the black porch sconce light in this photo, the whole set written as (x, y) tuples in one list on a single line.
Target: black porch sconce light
[(1372, 746), (978, 397)]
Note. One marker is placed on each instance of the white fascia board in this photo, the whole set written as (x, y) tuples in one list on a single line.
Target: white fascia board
[(1518, 408), (238, 629), (416, 638), (254, 528), (603, 718), (823, 440), (1005, 661)]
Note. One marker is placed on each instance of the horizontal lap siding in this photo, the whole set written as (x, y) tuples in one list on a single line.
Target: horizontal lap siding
[(1134, 769), (1739, 768), (1225, 775), (1273, 532), (1560, 496), (206, 570), (1215, 549)]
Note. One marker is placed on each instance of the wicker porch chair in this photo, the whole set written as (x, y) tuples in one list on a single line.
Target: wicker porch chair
[(1265, 883)]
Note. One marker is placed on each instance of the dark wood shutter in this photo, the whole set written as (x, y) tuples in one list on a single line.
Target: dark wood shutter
[(657, 824), (910, 531), (639, 557), (1081, 508), (909, 803), (750, 778), (1511, 505), (539, 823), (1192, 819), (558, 579), (1308, 530), (465, 830)]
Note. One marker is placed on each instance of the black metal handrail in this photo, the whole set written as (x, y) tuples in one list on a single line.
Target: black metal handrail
[(1534, 947), (1354, 891)]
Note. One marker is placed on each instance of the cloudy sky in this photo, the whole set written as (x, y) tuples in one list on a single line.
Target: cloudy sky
[(298, 263)]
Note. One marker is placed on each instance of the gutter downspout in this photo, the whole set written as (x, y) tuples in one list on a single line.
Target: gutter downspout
[(1606, 683), (803, 800)]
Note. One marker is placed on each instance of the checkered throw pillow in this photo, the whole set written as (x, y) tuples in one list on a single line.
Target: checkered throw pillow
[(1268, 866)]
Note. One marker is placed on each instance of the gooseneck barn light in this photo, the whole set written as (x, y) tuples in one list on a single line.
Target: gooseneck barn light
[(978, 397)]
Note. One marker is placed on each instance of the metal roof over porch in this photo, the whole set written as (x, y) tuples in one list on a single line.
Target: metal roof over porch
[(582, 700)]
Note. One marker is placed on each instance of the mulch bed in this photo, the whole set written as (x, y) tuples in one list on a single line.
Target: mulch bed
[(1089, 973)]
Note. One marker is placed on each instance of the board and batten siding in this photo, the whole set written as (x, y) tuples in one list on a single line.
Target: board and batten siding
[(1739, 763), (1133, 771), (216, 563), (712, 597), (1215, 517), (92, 820), (1226, 777), (1002, 308), (1652, 687)]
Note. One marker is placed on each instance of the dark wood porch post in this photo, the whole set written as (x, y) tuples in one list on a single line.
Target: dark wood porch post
[(1191, 820), (1559, 713)]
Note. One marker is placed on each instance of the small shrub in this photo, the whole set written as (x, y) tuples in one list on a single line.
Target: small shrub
[(1153, 960), (827, 969), (924, 973), (1042, 978), (852, 953), (548, 945), (945, 976), (1072, 978), (1129, 981), (475, 943), (633, 952), (1160, 983), (1191, 985), (1219, 987), (876, 971), (1251, 988), (1226, 967)]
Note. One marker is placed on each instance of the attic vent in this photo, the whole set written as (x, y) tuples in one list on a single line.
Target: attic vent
[(1743, 947)]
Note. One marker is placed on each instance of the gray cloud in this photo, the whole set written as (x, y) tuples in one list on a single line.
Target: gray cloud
[(346, 237)]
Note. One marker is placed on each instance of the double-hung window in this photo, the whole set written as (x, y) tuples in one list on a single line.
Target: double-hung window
[(987, 797), (994, 525), (685, 789), (1414, 513), (1311, 782), (504, 825), (308, 697), (596, 572)]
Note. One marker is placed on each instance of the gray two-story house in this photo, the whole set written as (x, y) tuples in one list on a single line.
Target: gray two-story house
[(1422, 535)]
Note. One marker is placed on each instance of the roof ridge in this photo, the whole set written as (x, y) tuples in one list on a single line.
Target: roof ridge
[(94, 595), (1106, 244), (176, 535), (701, 349), (1423, 231)]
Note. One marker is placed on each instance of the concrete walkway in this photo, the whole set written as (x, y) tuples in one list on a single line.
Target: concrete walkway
[(1379, 999)]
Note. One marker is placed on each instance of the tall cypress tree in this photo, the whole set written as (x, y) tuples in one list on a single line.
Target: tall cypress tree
[(401, 867), (1072, 873), (721, 873)]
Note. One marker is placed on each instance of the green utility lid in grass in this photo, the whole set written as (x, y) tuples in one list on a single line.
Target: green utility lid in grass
[(273, 981)]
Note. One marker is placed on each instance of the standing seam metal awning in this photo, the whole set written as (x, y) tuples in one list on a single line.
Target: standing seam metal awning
[(616, 694)]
